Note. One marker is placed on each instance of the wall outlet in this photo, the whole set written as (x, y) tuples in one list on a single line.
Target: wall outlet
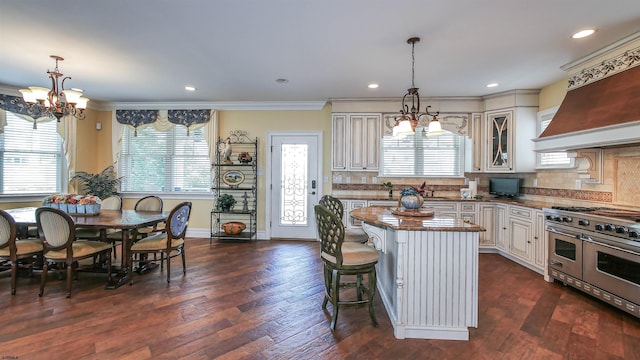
[(325, 179), (374, 180), (535, 183), (578, 184), (364, 179), (348, 179)]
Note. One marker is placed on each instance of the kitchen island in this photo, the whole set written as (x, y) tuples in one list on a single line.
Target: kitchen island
[(427, 272)]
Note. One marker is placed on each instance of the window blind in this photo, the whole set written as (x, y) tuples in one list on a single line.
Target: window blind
[(552, 159), (31, 159), (418, 155), (165, 161)]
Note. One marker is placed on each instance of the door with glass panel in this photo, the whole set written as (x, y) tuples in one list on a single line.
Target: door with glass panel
[(294, 185)]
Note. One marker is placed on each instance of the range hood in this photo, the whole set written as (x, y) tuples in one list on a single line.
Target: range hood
[(601, 108)]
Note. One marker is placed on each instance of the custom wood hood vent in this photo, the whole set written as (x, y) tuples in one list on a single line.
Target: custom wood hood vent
[(602, 106)]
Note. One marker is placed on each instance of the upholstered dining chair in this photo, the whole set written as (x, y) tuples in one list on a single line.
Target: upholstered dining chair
[(112, 202), (148, 203), (168, 243), (16, 251), (335, 205), (344, 258), (57, 232)]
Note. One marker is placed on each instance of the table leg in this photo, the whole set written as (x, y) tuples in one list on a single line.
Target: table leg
[(122, 277)]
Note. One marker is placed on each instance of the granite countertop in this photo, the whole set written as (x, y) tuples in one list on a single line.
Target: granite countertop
[(527, 203), (383, 217)]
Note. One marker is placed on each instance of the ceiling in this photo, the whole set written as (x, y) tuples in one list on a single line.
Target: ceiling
[(234, 50)]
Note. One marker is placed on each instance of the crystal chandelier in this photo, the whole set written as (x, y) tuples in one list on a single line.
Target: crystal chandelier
[(409, 117), (56, 102)]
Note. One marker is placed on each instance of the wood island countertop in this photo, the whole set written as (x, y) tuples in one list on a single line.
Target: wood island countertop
[(383, 217)]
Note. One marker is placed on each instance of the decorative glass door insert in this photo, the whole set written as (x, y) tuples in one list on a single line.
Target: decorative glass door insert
[(294, 172)]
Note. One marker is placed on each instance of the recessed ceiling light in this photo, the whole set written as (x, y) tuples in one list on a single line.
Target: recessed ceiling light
[(190, 88), (282, 81), (583, 33), (373, 86), (492, 85), (76, 89)]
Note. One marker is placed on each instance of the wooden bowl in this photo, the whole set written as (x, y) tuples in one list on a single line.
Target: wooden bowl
[(233, 227)]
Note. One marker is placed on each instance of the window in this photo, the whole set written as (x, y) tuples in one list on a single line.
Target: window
[(165, 161), (32, 159), (551, 160), (419, 155)]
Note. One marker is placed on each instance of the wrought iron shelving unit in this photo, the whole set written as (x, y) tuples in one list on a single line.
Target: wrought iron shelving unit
[(235, 176)]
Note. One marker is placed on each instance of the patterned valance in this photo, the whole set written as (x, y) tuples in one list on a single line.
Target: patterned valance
[(162, 120), (188, 117), (136, 118), (17, 105)]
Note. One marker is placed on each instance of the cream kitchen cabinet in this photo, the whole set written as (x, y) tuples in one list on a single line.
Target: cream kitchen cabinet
[(520, 235), (487, 219), (447, 208), (468, 212), (356, 141), (502, 223), (509, 148), (540, 241), (475, 151), (348, 205)]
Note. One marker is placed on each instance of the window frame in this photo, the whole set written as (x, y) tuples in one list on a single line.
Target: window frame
[(543, 116), (461, 155), (171, 154), (62, 171)]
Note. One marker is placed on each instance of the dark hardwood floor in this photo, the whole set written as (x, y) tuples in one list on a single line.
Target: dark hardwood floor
[(262, 300)]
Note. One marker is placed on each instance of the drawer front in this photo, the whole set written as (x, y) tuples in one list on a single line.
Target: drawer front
[(467, 207), (521, 212), (442, 206)]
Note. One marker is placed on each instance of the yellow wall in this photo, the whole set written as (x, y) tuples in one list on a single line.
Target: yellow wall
[(94, 148), (258, 123), (552, 95)]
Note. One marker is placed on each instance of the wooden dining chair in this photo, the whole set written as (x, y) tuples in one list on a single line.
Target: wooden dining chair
[(113, 236), (335, 205), (168, 243), (344, 258), (148, 203), (57, 231), (16, 252)]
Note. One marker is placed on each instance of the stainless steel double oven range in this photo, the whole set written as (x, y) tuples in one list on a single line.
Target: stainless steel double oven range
[(597, 250)]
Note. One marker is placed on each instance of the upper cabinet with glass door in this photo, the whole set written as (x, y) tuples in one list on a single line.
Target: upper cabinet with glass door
[(509, 146)]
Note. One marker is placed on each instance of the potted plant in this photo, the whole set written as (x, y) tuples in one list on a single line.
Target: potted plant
[(389, 186), (101, 185), (225, 202)]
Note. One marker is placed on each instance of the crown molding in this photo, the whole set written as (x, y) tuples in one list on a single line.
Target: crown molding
[(219, 105)]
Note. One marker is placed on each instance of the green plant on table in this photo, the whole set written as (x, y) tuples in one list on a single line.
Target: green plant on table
[(102, 185)]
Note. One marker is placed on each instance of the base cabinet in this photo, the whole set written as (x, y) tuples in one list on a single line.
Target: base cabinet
[(540, 240), (487, 219), (502, 221)]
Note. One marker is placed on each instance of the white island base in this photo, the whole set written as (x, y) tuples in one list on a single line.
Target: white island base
[(428, 280)]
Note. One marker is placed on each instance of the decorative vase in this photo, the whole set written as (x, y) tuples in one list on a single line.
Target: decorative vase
[(411, 202), (233, 227), (81, 208), (71, 209)]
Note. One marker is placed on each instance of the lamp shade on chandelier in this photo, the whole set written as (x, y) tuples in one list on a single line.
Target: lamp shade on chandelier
[(409, 117), (57, 101)]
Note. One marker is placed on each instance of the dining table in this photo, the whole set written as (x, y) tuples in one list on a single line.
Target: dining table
[(125, 220)]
